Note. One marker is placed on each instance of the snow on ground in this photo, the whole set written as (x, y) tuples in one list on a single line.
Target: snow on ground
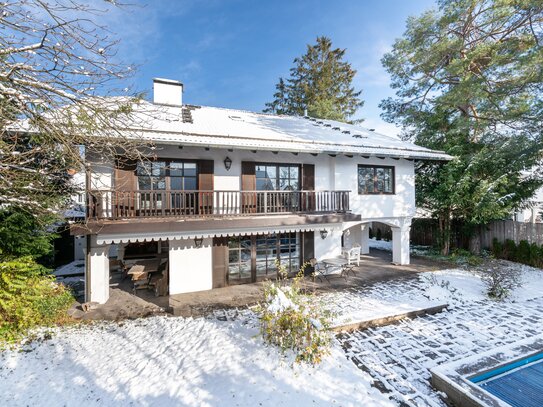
[(380, 244), (171, 361), (73, 268), (222, 360)]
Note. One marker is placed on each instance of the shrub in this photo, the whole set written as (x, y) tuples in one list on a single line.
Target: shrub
[(294, 321), (29, 297), (522, 252), (510, 250), (378, 234), (500, 281), (497, 248)]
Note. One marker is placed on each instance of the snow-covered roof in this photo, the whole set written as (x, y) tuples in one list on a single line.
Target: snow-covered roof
[(220, 127), (191, 125)]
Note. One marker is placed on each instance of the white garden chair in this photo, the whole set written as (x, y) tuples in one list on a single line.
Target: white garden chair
[(353, 255)]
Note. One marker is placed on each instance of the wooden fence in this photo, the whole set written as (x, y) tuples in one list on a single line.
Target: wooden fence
[(510, 230), (425, 232)]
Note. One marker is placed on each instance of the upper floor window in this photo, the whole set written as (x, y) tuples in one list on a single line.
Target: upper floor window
[(375, 179), (171, 175), (277, 177)]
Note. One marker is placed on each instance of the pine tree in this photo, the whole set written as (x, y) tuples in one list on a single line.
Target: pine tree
[(321, 82), (469, 81)]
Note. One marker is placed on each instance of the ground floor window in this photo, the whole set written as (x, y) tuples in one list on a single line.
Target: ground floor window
[(252, 258)]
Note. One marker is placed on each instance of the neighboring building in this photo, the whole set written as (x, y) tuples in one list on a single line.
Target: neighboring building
[(533, 213), (231, 191)]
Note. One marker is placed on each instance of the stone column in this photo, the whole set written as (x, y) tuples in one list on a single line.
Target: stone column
[(97, 269), (365, 239), (400, 244)]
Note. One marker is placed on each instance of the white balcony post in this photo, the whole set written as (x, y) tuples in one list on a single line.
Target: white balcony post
[(400, 243), (365, 239), (97, 272)]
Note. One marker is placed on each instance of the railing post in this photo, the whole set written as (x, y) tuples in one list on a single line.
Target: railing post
[(265, 201)]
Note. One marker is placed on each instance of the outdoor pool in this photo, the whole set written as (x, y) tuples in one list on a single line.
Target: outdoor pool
[(519, 383)]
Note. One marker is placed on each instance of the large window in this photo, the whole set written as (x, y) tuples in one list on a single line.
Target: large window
[(252, 258), (375, 179), (157, 176), (171, 175), (277, 177)]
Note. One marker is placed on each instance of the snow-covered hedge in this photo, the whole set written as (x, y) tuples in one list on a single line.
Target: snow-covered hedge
[(294, 321)]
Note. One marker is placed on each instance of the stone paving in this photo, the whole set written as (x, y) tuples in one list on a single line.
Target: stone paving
[(399, 357)]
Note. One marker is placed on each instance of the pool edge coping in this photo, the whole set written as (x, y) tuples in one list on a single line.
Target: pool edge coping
[(453, 378)]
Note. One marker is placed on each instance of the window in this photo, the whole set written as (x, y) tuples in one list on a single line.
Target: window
[(277, 177), (239, 258), (157, 176), (160, 175), (252, 258), (151, 175), (375, 179)]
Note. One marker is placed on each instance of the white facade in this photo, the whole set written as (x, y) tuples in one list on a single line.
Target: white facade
[(533, 213), (334, 150)]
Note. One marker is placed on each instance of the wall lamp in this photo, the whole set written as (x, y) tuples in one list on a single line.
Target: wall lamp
[(198, 241), (324, 233), (227, 163)]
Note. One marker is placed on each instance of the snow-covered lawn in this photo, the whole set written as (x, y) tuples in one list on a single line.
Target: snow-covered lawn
[(222, 361), (163, 361)]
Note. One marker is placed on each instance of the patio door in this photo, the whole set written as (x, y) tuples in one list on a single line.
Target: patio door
[(253, 258)]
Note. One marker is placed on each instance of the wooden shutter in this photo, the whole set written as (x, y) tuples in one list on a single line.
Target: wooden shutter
[(219, 254), (125, 175), (205, 183), (308, 184), (126, 185), (248, 183), (308, 249), (308, 177)]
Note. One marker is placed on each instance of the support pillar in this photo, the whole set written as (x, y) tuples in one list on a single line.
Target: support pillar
[(400, 244), (97, 272), (365, 239)]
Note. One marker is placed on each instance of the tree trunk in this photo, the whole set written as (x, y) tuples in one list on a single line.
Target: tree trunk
[(445, 232)]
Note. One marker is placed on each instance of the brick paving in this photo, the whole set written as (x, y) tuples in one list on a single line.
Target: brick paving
[(398, 357)]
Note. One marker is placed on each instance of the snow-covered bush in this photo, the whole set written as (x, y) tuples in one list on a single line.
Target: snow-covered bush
[(294, 321), (500, 280)]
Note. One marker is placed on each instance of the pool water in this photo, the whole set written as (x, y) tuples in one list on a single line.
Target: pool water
[(519, 383)]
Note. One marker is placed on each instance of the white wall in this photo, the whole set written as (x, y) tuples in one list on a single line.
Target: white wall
[(191, 268), (331, 173), (400, 204), (329, 247)]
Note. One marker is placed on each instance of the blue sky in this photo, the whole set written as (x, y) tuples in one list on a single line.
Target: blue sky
[(230, 53)]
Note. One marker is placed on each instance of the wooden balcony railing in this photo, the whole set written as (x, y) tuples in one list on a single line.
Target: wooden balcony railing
[(108, 204)]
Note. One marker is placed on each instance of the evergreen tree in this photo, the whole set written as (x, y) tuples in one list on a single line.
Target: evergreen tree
[(469, 80), (321, 82)]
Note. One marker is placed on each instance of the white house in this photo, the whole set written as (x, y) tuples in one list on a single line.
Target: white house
[(533, 213), (231, 191)]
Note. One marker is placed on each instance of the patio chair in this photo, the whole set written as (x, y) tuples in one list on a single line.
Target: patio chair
[(319, 270), (353, 255), (141, 281), (159, 280)]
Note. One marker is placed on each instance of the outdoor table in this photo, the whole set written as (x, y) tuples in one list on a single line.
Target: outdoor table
[(334, 263), (144, 266)]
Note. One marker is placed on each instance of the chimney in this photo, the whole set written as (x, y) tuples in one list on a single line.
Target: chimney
[(167, 92)]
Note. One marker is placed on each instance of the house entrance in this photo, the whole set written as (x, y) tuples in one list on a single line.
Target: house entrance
[(253, 258)]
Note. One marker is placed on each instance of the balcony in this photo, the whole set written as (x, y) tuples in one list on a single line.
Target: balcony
[(116, 205)]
